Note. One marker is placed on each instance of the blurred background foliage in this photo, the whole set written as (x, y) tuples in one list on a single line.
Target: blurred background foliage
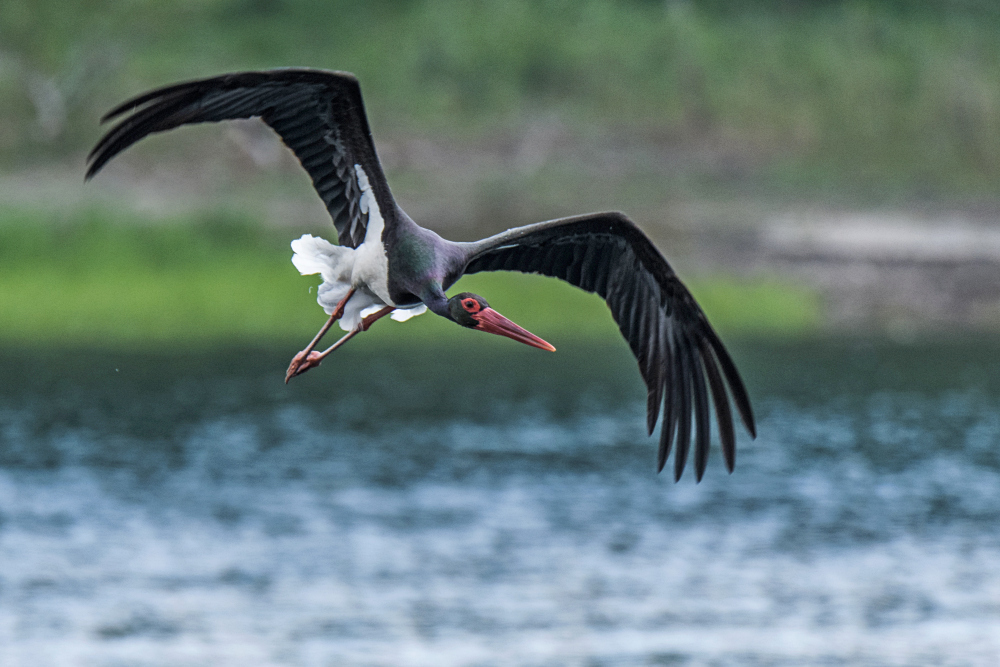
[(782, 93), (487, 114)]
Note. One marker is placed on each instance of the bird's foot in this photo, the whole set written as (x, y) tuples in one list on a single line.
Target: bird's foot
[(302, 362)]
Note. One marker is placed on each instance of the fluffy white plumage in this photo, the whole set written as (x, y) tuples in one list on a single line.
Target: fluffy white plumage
[(364, 268)]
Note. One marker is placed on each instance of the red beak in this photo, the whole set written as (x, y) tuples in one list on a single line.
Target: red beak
[(493, 322)]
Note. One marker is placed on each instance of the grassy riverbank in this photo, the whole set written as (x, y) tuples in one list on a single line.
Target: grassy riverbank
[(90, 281)]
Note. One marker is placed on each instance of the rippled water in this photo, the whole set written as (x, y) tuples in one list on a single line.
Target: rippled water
[(495, 506)]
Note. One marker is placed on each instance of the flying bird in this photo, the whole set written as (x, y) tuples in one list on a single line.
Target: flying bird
[(386, 264)]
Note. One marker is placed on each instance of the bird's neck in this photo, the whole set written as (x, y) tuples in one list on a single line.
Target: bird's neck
[(434, 298)]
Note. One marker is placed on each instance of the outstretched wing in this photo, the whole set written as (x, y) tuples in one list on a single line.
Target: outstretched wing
[(318, 114), (680, 357)]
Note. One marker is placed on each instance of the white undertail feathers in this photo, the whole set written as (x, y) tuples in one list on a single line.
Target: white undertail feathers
[(364, 268)]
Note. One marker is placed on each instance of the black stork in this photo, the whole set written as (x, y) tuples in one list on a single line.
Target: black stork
[(387, 264)]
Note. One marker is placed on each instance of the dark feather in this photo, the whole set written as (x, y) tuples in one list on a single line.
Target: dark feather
[(701, 415), (678, 353), (684, 414), (723, 416), (655, 369), (670, 410), (319, 115)]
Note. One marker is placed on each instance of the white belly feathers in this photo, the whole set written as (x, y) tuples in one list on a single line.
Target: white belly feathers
[(364, 268)]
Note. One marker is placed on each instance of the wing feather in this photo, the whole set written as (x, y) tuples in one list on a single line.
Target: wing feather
[(653, 367), (667, 427), (702, 417), (723, 415), (684, 413), (682, 361), (318, 114)]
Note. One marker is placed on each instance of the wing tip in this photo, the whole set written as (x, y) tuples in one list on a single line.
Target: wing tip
[(665, 446), (139, 103), (704, 363), (652, 413), (95, 162)]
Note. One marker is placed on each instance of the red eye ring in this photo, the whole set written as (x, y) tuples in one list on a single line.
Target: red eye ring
[(471, 305)]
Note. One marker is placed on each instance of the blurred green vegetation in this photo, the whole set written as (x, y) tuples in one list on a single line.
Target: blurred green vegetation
[(874, 102), (91, 280), (896, 99)]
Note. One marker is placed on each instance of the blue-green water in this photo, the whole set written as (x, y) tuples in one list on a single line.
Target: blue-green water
[(495, 506)]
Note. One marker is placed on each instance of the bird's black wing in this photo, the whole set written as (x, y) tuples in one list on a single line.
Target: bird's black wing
[(318, 114), (680, 356)]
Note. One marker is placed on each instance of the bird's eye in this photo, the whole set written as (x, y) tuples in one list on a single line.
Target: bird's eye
[(470, 305)]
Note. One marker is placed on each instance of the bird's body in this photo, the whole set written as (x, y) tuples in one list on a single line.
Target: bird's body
[(387, 264), (365, 269)]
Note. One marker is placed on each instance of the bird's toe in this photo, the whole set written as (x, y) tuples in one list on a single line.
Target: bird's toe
[(302, 362)]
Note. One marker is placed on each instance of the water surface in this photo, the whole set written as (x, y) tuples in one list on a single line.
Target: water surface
[(495, 506)]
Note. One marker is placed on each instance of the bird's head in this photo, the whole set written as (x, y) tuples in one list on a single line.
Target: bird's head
[(471, 310)]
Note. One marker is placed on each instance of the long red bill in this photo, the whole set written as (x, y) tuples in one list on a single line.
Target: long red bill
[(493, 322)]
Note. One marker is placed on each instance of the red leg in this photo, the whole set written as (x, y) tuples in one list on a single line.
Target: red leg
[(338, 312), (314, 358)]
